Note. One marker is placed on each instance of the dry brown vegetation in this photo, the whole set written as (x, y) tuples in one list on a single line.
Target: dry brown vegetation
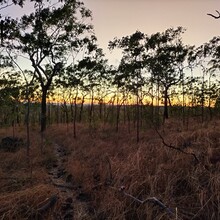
[(24, 184), (101, 161)]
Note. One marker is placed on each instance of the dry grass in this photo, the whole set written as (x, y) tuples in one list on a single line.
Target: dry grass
[(24, 181), (24, 203), (101, 161)]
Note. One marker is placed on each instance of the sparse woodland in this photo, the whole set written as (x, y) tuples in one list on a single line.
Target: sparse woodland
[(83, 139)]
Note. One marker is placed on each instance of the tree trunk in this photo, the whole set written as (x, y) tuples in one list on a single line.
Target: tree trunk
[(75, 116), (58, 113), (117, 116), (28, 125), (138, 118), (43, 109), (81, 109), (100, 109), (165, 104), (91, 110), (66, 113)]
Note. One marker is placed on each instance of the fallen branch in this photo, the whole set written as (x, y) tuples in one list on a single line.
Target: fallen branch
[(216, 17), (153, 200), (176, 148)]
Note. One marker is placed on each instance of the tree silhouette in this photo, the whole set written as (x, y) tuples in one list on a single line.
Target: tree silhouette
[(165, 60), (130, 71), (207, 58), (47, 37)]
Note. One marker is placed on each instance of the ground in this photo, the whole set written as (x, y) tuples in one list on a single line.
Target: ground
[(86, 175)]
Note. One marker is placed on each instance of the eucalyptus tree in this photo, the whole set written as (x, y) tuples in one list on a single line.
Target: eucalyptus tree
[(213, 51), (207, 57), (10, 91), (165, 59), (7, 3), (46, 37), (86, 77), (94, 74), (130, 74)]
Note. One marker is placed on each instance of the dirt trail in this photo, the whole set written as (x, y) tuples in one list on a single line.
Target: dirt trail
[(71, 205)]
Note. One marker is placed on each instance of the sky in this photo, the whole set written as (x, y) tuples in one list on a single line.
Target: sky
[(118, 18)]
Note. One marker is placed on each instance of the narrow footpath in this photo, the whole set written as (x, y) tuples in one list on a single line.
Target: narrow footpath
[(71, 205)]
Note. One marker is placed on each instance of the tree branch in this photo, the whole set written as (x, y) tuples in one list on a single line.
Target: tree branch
[(6, 6), (153, 200), (176, 148), (214, 16)]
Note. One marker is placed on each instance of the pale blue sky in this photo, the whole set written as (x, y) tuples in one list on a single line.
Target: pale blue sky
[(117, 18)]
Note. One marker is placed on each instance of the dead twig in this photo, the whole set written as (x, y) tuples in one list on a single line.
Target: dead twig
[(214, 16), (176, 148), (153, 200)]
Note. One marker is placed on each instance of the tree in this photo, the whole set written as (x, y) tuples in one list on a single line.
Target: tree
[(165, 58), (10, 91), (130, 71), (8, 3), (207, 57), (93, 74), (46, 37)]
